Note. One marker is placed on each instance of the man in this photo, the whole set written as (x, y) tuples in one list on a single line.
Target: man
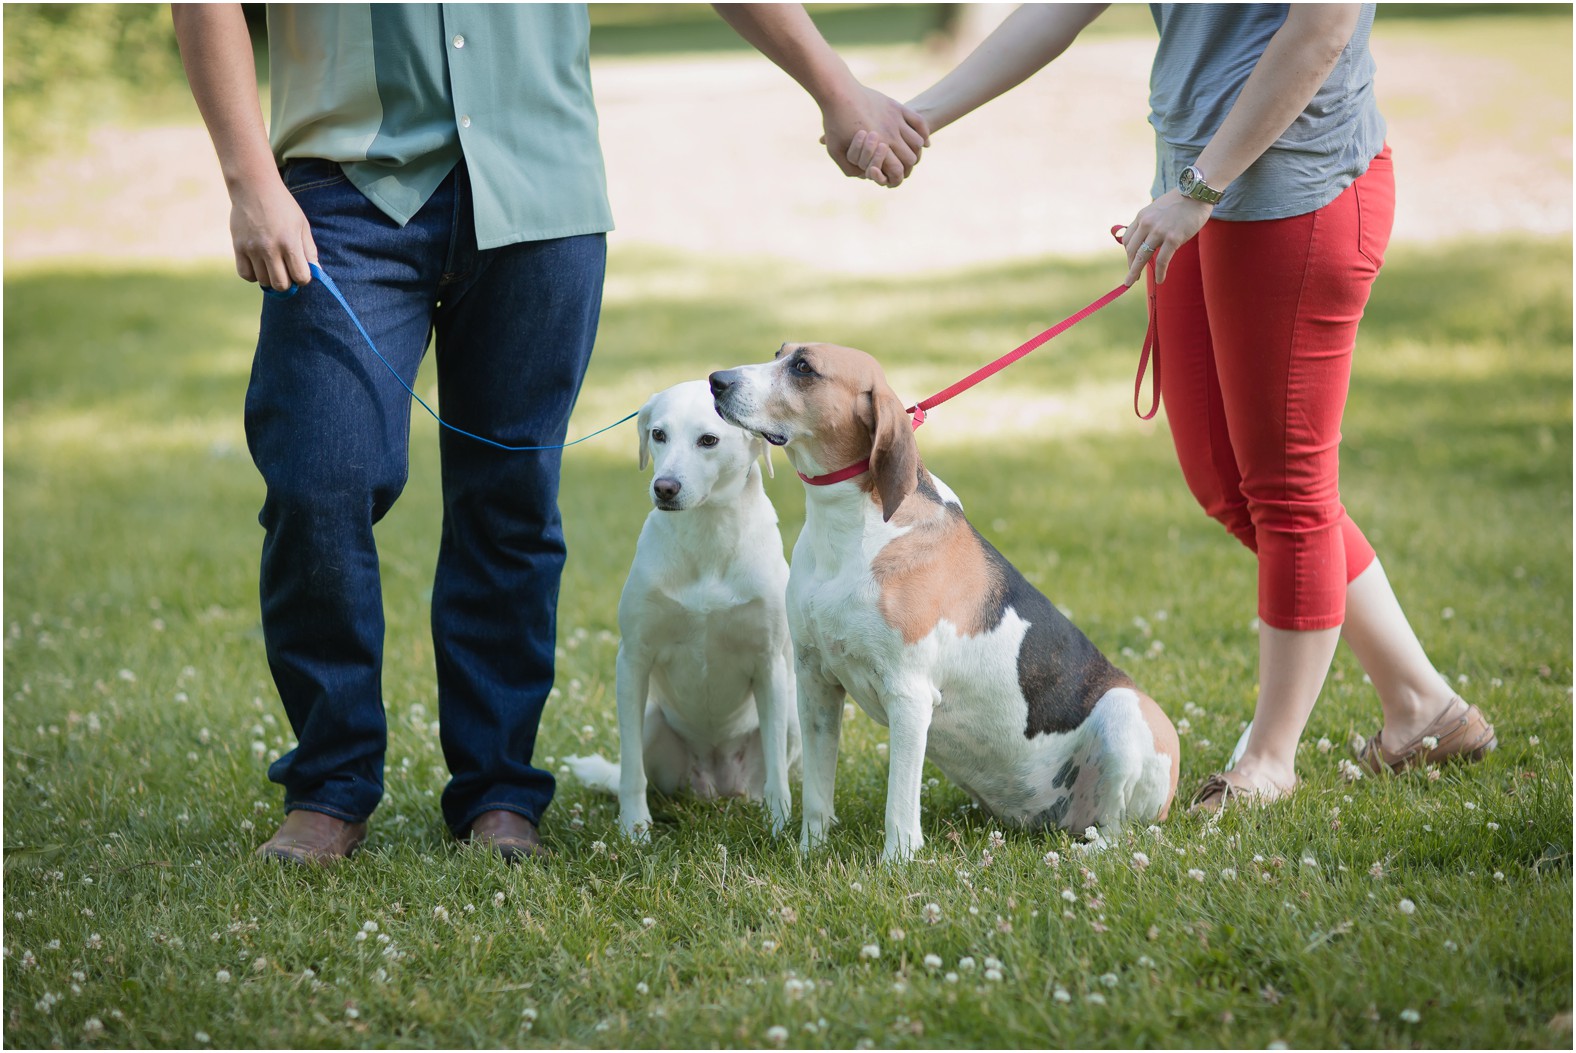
[(441, 162)]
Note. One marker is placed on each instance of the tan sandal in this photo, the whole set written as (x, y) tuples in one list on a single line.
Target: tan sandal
[(1217, 791), (1466, 736)]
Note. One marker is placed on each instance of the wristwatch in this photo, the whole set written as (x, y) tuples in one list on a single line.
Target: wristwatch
[(1191, 183)]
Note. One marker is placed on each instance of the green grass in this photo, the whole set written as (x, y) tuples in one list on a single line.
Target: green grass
[(139, 717)]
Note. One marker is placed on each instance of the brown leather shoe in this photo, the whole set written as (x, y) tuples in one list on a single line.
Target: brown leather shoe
[(507, 833), (313, 838), (1459, 733)]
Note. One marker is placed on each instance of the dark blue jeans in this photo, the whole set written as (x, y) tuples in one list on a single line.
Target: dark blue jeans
[(329, 429)]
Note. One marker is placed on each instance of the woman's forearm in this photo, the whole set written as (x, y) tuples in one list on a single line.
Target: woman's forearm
[(1294, 66), (1021, 46)]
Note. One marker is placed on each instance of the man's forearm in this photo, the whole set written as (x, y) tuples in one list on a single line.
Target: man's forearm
[(216, 50), (785, 34)]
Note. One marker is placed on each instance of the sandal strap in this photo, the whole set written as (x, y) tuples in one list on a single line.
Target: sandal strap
[(1453, 733)]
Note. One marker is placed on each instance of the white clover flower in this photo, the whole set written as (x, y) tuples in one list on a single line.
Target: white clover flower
[(1452, 946), (1324, 745), (1195, 874), (1410, 1016), (440, 912), (598, 846), (1140, 860), (498, 898), (1095, 998), (931, 912), (1109, 979), (94, 941), (993, 975), (1053, 859), (951, 978), (1069, 895), (870, 951), (966, 964), (1532, 740), (777, 1034), (223, 976), (768, 945), (896, 935), (1309, 861), (1349, 771), (1228, 874), (642, 989), (1145, 962), (201, 1038), (645, 922), (360, 936), (932, 962), (1492, 825), (528, 1017), (351, 1012), (1499, 875), (93, 1027), (1061, 995), (1471, 806), (793, 988), (1406, 906), (997, 840)]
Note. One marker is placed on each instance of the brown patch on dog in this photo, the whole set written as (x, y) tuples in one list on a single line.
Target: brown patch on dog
[(936, 570), (852, 414), (1166, 742)]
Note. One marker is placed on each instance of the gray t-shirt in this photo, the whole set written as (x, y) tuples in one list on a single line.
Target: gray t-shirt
[(1205, 56)]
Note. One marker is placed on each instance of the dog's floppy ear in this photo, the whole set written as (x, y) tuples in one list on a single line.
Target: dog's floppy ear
[(763, 449), (643, 425), (894, 455)]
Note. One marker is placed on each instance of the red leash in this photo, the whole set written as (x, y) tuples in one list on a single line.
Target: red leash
[(917, 411)]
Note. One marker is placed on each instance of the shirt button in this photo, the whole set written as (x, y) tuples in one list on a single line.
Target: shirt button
[(459, 40), (465, 121)]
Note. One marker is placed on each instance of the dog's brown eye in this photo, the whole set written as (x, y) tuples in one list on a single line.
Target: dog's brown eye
[(802, 367), (708, 441), (658, 435)]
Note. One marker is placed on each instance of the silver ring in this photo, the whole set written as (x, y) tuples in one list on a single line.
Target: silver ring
[(1146, 247)]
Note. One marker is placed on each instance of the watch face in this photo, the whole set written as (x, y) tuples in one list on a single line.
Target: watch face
[(1186, 179)]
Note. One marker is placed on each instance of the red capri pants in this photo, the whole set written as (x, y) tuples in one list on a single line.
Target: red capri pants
[(1258, 321)]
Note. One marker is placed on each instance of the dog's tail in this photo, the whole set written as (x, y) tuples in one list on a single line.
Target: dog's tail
[(596, 771)]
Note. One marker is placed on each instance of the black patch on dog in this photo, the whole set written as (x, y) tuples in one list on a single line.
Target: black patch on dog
[(1062, 675), (1066, 776), (1053, 815)]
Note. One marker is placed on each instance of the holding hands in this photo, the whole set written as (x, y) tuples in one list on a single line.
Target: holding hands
[(872, 136)]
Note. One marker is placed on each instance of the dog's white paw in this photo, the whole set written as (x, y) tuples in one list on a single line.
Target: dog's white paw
[(780, 812), (637, 828), (902, 850)]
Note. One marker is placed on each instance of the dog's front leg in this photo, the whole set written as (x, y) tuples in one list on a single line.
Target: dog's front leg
[(775, 704), (633, 683), (908, 717), (820, 727)]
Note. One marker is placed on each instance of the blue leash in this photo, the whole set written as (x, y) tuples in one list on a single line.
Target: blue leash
[(328, 283)]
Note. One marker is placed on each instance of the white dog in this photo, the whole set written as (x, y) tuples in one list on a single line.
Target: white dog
[(705, 666)]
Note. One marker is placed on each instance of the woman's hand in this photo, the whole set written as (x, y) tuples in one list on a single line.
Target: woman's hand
[(1159, 229), (871, 135)]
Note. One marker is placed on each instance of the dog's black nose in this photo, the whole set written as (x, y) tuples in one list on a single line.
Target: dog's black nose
[(666, 489), (721, 381)]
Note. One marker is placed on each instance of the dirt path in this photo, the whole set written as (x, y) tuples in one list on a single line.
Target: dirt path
[(718, 156)]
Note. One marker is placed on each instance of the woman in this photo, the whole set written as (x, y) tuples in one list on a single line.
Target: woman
[(1266, 125)]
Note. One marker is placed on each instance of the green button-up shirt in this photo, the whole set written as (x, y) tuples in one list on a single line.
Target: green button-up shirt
[(398, 93)]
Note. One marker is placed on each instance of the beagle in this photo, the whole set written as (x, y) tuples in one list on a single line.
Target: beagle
[(705, 688), (894, 598)]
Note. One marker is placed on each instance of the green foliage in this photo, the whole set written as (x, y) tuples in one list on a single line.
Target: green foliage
[(139, 716), (69, 66)]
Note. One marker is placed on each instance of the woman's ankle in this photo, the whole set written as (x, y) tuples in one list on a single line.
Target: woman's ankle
[(1408, 714)]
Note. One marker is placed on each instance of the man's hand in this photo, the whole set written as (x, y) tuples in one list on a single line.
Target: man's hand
[(272, 239), (871, 135)]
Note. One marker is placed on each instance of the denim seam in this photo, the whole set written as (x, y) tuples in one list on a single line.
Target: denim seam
[(325, 809)]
